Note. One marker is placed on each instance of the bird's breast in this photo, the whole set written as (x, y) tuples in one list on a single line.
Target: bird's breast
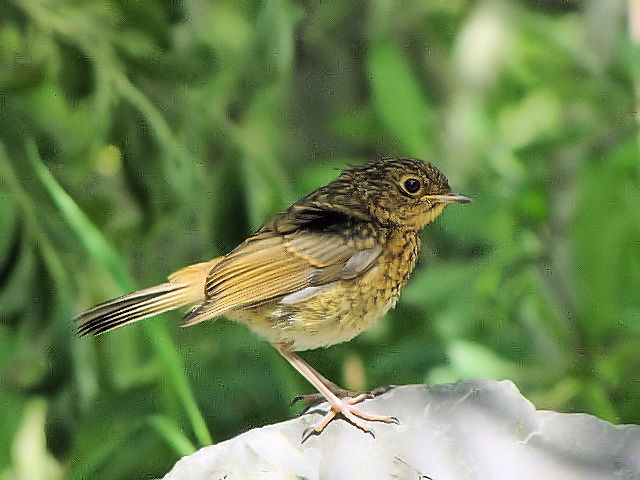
[(343, 309)]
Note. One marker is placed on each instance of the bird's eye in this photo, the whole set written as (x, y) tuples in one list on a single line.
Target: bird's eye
[(412, 185)]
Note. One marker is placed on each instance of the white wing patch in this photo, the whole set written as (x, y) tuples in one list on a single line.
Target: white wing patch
[(359, 262), (306, 294)]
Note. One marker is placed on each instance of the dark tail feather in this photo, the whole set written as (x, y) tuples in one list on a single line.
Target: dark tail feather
[(136, 306)]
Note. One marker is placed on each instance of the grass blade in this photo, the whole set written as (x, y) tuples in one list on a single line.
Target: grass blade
[(172, 434), (101, 250)]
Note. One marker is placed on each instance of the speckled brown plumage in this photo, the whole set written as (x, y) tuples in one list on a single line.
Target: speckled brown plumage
[(317, 274)]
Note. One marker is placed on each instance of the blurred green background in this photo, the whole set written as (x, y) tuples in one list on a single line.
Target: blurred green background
[(138, 136)]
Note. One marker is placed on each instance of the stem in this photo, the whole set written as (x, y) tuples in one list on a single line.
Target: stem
[(102, 251), (634, 34)]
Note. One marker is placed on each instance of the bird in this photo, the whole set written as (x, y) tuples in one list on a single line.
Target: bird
[(317, 274)]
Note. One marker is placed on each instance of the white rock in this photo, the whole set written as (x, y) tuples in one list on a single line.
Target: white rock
[(468, 430)]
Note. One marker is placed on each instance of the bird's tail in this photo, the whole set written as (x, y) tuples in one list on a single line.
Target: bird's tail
[(185, 287)]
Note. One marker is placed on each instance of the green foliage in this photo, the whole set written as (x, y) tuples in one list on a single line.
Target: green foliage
[(137, 137)]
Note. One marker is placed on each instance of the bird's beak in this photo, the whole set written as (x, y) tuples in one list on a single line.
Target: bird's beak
[(448, 198)]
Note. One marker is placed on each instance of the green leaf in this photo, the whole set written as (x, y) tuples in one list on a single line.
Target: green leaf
[(172, 434), (470, 360), (604, 233), (398, 98), (92, 240), (98, 247), (31, 460)]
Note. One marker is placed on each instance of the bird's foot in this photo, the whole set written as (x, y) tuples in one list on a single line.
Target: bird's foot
[(346, 407), (315, 399)]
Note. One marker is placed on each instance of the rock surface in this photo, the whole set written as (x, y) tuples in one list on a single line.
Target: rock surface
[(468, 430)]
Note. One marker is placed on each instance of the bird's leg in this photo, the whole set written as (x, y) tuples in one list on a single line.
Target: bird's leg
[(314, 399), (344, 406)]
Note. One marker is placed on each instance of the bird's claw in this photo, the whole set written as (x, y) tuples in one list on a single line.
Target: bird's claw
[(346, 409)]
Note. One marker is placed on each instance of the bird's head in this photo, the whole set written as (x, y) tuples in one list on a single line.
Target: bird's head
[(403, 191)]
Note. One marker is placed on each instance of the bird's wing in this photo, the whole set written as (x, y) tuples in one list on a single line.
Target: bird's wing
[(272, 265)]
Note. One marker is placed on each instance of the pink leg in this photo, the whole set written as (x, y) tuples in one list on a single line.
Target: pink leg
[(345, 406)]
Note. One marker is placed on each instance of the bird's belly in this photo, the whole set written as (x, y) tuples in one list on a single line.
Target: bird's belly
[(334, 315)]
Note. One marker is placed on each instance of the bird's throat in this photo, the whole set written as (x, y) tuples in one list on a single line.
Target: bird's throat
[(430, 215)]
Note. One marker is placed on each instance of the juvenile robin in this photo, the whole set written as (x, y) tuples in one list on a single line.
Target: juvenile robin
[(318, 274)]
